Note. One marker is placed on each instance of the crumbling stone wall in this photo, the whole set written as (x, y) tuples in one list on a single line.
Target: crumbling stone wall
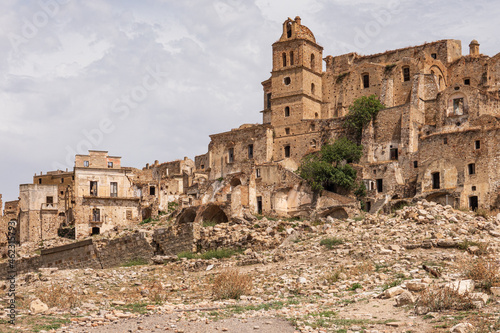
[(178, 238)]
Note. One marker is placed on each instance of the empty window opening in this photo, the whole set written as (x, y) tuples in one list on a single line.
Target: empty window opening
[(257, 173), (230, 156), (113, 189), (202, 166), (477, 144), (96, 231), (368, 206), (152, 190), (473, 188), (366, 81), (458, 106), (415, 164), (259, 205), (39, 180), (93, 188), (110, 165), (289, 30), (287, 81), (250, 151), (473, 202), (445, 141), (467, 82), (406, 74), (62, 192), (284, 59), (287, 131), (435, 181), (287, 151), (380, 185), (472, 168), (316, 116), (433, 55), (313, 143), (268, 100), (313, 89), (394, 154), (287, 111), (49, 200), (291, 58), (313, 63), (312, 127), (62, 180), (86, 164), (96, 215)]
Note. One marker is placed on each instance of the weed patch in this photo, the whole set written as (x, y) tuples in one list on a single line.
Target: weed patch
[(231, 284)]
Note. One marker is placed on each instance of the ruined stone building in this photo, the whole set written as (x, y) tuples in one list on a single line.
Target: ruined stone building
[(437, 137)]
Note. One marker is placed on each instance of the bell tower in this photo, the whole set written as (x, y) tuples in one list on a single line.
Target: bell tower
[(296, 79)]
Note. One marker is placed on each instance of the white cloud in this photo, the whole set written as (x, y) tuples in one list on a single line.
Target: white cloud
[(65, 79)]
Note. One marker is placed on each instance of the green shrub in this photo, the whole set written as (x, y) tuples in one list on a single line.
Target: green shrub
[(135, 262), (209, 223), (361, 112), (330, 243)]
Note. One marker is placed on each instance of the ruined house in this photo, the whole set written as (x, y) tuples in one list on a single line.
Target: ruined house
[(436, 138)]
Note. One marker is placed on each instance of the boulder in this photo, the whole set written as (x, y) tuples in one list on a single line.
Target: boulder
[(37, 306), (405, 298)]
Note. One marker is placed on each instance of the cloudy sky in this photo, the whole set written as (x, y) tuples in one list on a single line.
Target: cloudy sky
[(150, 80)]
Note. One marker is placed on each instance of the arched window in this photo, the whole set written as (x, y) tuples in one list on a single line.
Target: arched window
[(288, 30), (316, 115), (312, 61), (406, 73), (287, 111), (312, 88), (366, 80), (291, 58), (284, 59)]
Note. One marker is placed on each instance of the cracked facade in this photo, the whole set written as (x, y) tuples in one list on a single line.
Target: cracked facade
[(437, 139)]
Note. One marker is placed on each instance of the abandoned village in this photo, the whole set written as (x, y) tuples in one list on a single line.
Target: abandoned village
[(437, 139)]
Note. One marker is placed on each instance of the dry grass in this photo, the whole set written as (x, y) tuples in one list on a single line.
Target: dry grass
[(441, 298), (58, 296), (363, 268), (485, 272), (231, 284)]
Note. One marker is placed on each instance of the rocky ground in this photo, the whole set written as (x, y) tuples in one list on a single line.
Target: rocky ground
[(425, 268)]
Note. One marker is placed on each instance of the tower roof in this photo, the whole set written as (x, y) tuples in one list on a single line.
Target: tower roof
[(293, 29)]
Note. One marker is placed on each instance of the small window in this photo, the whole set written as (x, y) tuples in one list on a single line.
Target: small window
[(39, 180), (284, 59), (96, 231), (435, 181), (473, 188), (62, 192), (287, 81), (287, 111), (394, 154), (259, 205), (268, 100), (93, 188), (366, 81), (289, 30), (287, 151), (228, 197), (230, 155), (380, 185), (445, 141), (257, 173), (312, 61), (287, 131), (467, 82), (477, 144), (291, 58), (415, 164), (433, 55), (250, 151), (129, 214), (312, 127), (406, 74), (152, 190), (113, 189), (49, 200), (96, 215), (202, 166), (110, 165), (62, 180), (86, 164), (458, 106), (313, 143), (313, 89), (472, 169)]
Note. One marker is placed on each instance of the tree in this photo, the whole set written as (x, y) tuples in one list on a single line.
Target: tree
[(361, 112), (329, 168)]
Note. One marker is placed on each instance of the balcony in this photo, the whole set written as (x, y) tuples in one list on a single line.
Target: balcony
[(49, 206)]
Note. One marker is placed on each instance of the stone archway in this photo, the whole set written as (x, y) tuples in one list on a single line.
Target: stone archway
[(336, 213), (186, 216), (213, 213)]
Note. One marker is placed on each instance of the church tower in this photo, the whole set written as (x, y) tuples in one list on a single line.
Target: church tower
[(294, 91)]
